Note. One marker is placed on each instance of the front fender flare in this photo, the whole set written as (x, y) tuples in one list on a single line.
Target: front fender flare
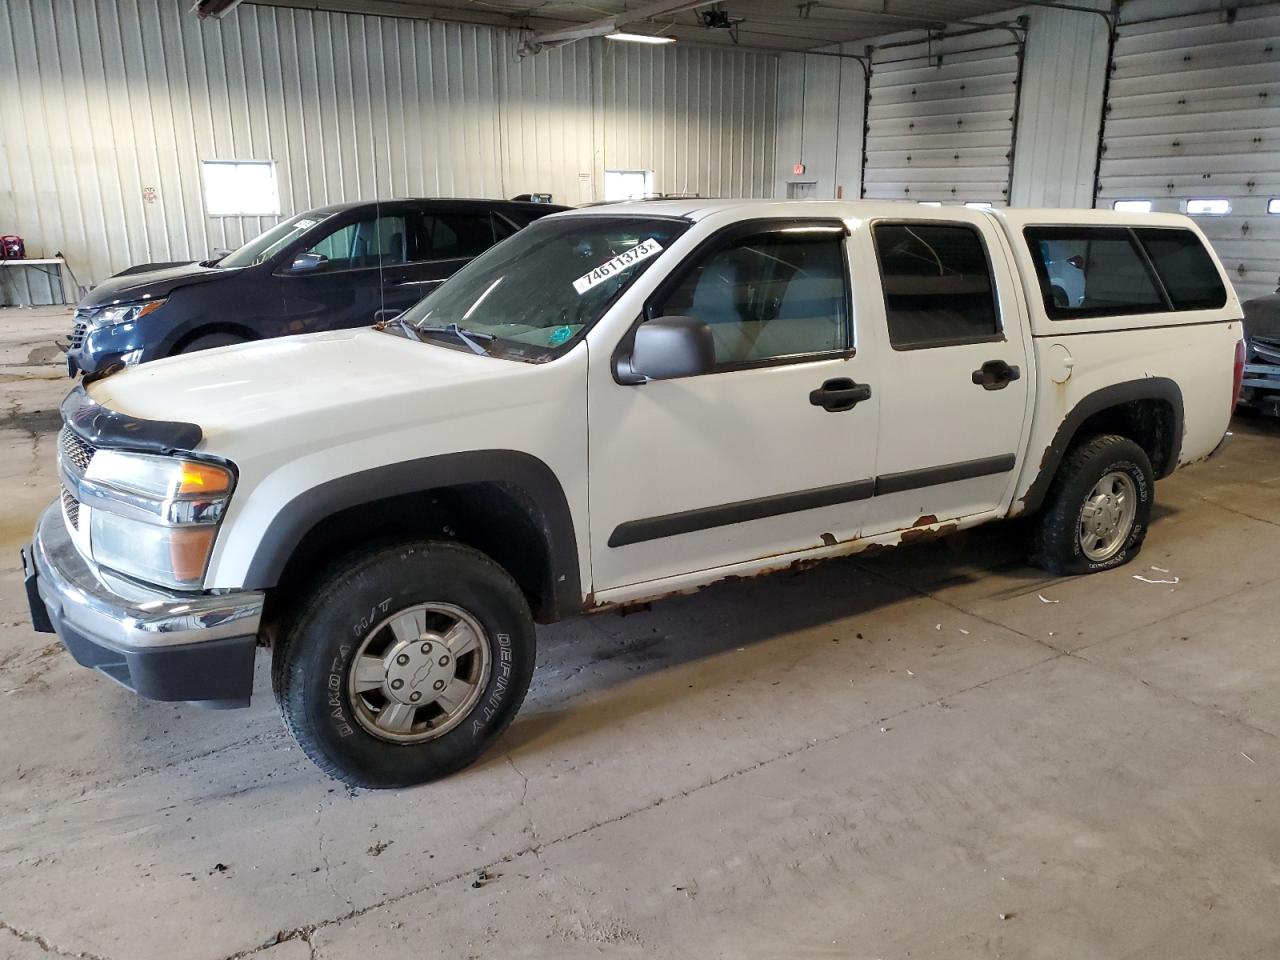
[(521, 470)]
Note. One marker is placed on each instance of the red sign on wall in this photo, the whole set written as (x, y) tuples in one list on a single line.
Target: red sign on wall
[(798, 169)]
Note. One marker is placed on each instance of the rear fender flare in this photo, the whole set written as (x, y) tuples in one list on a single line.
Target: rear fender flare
[(1149, 388)]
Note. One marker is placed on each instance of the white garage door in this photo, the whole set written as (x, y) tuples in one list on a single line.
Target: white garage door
[(1193, 118), (940, 123)]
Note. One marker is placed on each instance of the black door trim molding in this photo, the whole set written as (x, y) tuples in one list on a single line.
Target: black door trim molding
[(947, 473), (704, 518)]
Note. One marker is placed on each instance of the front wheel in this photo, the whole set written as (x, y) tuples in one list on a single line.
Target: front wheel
[(405, 664), (1098, 508)]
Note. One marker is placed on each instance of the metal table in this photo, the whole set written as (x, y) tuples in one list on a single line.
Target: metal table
[(50, 266)]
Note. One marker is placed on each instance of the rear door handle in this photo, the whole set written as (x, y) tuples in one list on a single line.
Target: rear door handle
[(995, 375), (840, 394)]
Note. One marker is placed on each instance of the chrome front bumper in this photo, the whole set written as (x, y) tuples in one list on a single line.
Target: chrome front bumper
[(163, 645)]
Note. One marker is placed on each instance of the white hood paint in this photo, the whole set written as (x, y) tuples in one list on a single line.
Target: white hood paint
[(231, 390)]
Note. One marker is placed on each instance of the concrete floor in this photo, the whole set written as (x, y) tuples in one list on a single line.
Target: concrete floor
[(911, 756)]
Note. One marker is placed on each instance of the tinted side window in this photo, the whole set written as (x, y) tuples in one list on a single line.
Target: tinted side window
[(375, 241), (1185, 268), (1092, 272), (503, 228), (455, 236), (937, 285), (768, 296)]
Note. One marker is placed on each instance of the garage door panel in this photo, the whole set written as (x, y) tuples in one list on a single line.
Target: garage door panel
[(1181, 81), (992, 108), (1176, 167), (940, 126), (947, 137), (1198, 106), (937, 176), (1182, 187), (1263, 226), (1193, 112), (1190, 58), (1182, 32), (1200, 143)]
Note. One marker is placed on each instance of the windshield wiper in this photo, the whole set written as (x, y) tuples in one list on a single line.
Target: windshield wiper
[(469, 337)]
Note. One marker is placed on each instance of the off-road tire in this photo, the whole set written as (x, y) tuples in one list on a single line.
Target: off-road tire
[(312, 657), (1055, 544)]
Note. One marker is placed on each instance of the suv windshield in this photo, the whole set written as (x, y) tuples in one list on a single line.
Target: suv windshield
[(542, 288), (266, 245)]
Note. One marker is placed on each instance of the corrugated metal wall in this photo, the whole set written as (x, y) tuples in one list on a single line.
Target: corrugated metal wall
[(1193, 112), (820, 124), (702, 120), (1061, 108), (107, 98)]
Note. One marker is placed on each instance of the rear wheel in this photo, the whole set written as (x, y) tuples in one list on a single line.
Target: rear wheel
[(1097, 511), (405, 664)]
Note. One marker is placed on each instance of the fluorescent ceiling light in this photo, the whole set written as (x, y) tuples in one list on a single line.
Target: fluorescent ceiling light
[(638, 37), (1132, 206), (978, 205)]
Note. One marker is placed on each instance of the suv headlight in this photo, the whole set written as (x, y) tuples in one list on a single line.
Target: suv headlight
[(155, 518), (123, 313)]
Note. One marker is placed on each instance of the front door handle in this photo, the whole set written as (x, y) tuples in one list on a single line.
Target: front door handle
[(840, 394), (995, 375)]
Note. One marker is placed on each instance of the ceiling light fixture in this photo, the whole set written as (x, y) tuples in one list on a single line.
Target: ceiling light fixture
[(638, 37)]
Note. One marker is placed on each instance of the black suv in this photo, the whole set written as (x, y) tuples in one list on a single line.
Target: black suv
[(332, 267)]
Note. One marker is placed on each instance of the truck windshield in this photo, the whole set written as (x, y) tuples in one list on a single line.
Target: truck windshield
[(539, 291), (266, 245)]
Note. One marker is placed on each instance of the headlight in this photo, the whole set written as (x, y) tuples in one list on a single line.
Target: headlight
[(155, 518), (124, 313)]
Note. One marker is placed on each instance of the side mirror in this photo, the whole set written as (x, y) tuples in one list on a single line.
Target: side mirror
[(308, 263), (666, 348), (1077, 261)]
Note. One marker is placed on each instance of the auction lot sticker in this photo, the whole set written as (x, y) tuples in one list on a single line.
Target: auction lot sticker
[(641, 251)]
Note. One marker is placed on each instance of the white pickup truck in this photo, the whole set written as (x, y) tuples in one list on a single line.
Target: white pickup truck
[(616, 405)]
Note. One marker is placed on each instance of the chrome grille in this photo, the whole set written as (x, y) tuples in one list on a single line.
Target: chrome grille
[(81, 328), (71, 507), (74, 451)]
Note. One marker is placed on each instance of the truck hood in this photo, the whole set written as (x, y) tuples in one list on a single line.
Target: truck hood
[(152, 284), (339, 383)]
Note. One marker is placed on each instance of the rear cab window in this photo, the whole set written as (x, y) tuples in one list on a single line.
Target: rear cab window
[(937, 284), (1108, 271)]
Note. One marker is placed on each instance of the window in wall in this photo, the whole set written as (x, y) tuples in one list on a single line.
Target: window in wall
[(1273, 205), (1092, 272), (240, 188), (937, 285), (769, 296), (1132, 206), (1184, 266), (373, 242), (1208, 208), (627, 184)]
